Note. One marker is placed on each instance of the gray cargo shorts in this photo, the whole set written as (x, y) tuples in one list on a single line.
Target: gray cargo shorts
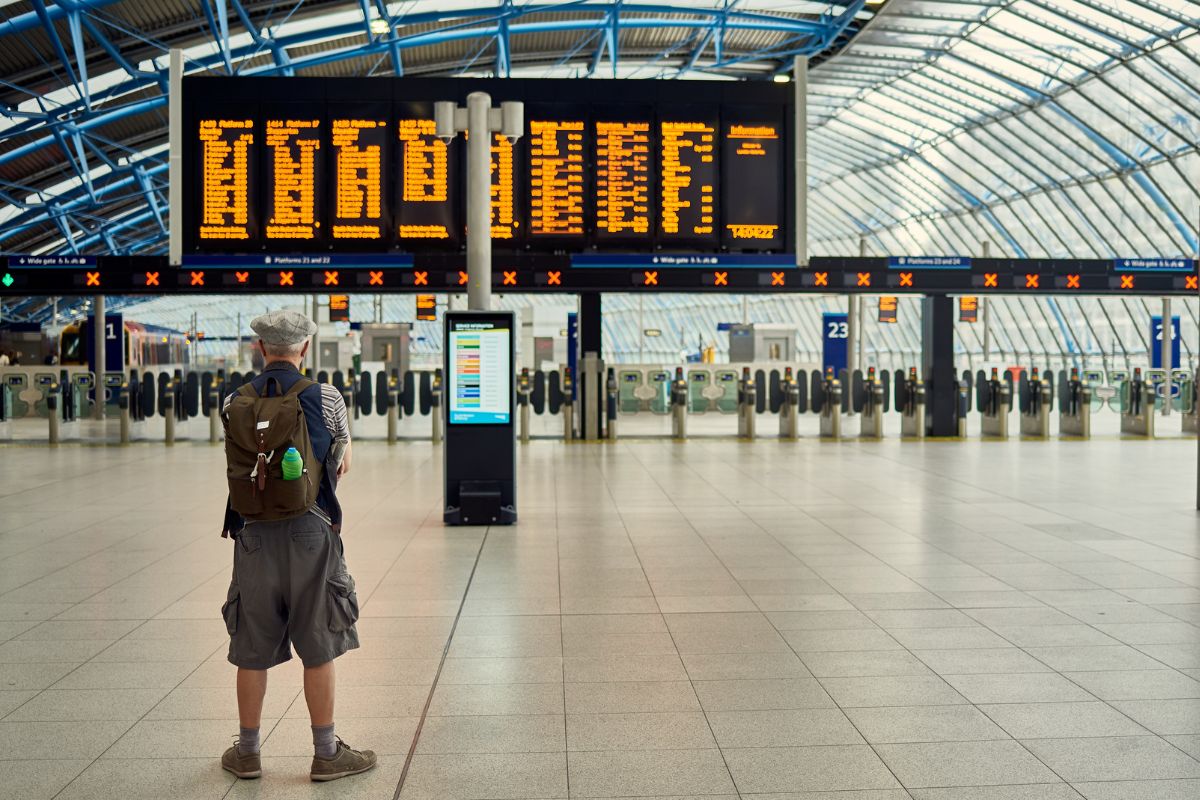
[(290, 584)]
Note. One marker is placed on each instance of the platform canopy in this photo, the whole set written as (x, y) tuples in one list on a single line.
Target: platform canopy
[(1043, 127)]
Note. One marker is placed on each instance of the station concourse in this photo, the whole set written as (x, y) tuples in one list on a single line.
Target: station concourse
[(780, 401)]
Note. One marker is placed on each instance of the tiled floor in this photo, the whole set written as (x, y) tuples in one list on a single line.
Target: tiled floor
[(779, 621)]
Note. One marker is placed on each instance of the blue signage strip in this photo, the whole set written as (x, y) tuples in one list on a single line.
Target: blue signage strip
[(929, 262), (51, 262), (1153, 264), (705, 261), (276, 261), (1156, 331), (835, 333)]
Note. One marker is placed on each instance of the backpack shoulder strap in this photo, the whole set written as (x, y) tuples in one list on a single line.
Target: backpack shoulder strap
[(300, 385)]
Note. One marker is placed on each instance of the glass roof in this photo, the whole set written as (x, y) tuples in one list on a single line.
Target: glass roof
[(1063, 128)]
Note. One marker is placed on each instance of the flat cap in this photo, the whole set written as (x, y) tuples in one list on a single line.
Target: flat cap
[(283, 327)]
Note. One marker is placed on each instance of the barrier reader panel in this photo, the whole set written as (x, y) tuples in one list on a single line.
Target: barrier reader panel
[(479, 461)]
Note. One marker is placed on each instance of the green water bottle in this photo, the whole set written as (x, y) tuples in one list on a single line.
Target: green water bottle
[(292, 464)]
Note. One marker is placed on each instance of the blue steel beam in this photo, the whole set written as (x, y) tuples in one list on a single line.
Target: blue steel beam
[(73, 122)]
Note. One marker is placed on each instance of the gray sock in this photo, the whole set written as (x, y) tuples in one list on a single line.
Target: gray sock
[(324, 742), (247, 741)]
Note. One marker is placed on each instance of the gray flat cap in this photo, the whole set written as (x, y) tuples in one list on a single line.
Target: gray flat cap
[(283, 327)]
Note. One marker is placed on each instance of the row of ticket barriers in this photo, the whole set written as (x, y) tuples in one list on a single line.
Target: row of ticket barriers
[(63, 397), (789, 394)]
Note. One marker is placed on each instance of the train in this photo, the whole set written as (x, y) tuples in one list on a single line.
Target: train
[(145, 345)]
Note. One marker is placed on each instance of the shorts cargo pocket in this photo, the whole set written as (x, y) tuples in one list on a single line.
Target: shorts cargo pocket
[(230, 610), (343, 602)]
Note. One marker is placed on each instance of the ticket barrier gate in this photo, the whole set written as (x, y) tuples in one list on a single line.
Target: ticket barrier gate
[(568, 405), (789, 407), (524, 390), (962, 407), (870, 401), (16, 384), (1188, 405), (167, 409), (827, 403), (994, 400), (392, 387), (610, 405), (215, 404), (679, 405), (79, 405), (116, 396), (910, 402), (725, 391), (1137, 407), (747, 404), (435, 406), (48, 406), (1036, 400), (1074, 406), (633, 396)]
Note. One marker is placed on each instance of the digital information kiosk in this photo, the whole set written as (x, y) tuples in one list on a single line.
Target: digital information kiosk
[(480, 445)]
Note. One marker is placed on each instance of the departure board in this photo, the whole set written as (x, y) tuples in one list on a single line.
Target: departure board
[(358, 147), (314, 165), (752, 185), (688, 181), (623, 179), (292, 183), (556, 171), (504, 194), (227, 162), (425, 209)]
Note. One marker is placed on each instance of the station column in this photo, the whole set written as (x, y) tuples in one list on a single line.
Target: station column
[(590, 384), (937, 361)]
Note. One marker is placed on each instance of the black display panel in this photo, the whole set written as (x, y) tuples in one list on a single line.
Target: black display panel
[(427, 169), (328, 165), (752, 163)]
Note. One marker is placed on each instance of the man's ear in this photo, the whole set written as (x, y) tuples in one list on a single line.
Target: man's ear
[(304, 350)]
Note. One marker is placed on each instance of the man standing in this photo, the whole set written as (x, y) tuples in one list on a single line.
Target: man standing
[(287, 442)]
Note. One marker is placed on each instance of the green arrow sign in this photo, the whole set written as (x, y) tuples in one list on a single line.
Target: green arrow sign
[(8, 279)]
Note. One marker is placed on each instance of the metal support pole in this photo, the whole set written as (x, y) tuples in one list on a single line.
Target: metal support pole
[(53, 410), (169, 417), (175, 156), (1166, 349), (214, 417), (479, 202), (99, 341), (125, 414), (800, 79)]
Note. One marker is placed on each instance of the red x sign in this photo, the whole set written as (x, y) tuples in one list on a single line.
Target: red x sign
[(152, 279), (864, 279), (720, 279), (462, 278), (510, 278), (1073, 281), (906, 279), (420, 279), (991, 279), (197, 278), (777, 278), (554, 278), (651, 278), (93, 279), (820, 279), (1126, 281), (331, 277), (242, 277), (287, 279), (1032, 280), (376, 278), (1191, 282)]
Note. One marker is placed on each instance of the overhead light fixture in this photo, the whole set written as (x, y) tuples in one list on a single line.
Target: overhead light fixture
[(781, 77), (380, 26)]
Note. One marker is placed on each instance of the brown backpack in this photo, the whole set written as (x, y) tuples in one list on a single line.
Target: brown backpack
[(258, 431)]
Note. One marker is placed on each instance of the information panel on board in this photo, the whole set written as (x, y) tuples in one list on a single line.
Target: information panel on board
[(480, 373)]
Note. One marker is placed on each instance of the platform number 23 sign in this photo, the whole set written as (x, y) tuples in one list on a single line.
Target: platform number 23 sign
[(837, 330)]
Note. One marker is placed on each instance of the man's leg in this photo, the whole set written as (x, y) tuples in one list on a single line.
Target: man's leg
[(318, 693), (251, 689)]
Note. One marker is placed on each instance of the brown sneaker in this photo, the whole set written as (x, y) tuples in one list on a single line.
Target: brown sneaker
[(345, 762), (243, 766)]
